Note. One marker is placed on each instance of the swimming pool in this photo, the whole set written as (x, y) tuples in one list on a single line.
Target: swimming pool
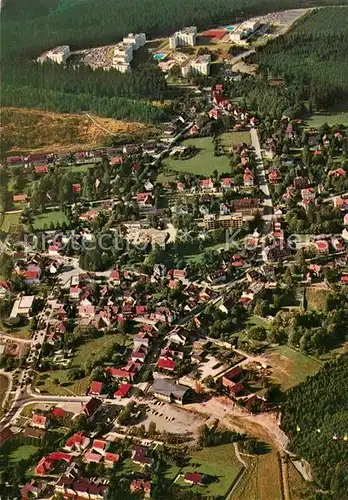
[(230, 28), (159, 56)]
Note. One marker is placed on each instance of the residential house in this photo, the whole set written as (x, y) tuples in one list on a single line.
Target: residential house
[(91, 408), (274, 175), (193, 478), (75, 292), (140, 486), (140, 457), (122, 391), (76, 443), (226, 183), (308, 194), (48, 462), (207, 186), (341, 203), (96, 388), (248, 178), (321, 246), (4, 288), (166, 364), (144, 199), (39, 421), (338, 172), (214, 113)]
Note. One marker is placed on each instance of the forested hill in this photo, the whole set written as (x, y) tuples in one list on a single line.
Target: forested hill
[(314, 415), (313, 56), (31, 26)]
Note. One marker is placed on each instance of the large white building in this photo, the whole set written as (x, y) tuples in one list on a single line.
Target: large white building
[(198, 66), (136, 40), (58, 55), (123, 52), (184, 38)]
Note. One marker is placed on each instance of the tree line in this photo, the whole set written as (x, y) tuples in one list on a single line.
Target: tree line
[(315, 417)]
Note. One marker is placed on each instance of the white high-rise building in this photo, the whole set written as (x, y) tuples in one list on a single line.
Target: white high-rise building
[(201, 65), (123, 53), (137, 40), (183, 38), (58, 55)]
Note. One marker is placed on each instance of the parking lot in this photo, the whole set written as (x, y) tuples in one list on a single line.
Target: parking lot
[(171, 418)]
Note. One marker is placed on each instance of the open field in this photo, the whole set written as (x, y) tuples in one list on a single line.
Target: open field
[(56, 217), (299, 488), (261, 481), (23, 452), (87, 351), (217, 462), (334, 118), (316, 298), (31, 130), (229, 139), (291, 367), (10, 221), (204, 162)]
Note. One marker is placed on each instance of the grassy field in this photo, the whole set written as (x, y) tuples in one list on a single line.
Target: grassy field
[(299, 488), (217, 462), (234, 138), (316, 298), (291, 367), (334, 118), (88, 350), (31, 130), (261, 481), (203, 163), (10, 221), (56, 217), (23, 452)]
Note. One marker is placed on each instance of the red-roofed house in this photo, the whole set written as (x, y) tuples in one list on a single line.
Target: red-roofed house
[(166, 364), (214, 113), (75, 292), (99, 445), (341, 203), (308, 194), (96, 388), (193, 478), (122, 391), (337, 244), (76, 188), (274, 175), (144, 199), (207, 185), (20, 198), (344, 279), (139, 485), (41, 169), (39, 421), (111, 458), (339, 172), (58, 412), (77, 442), (91, 457), (248, 177), (321, 246), (226, 183), (4, 288), (53, 250), (179, 274)]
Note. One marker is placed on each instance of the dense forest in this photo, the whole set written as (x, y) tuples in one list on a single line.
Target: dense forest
[(30, 27), (315, 416), (312, 58)]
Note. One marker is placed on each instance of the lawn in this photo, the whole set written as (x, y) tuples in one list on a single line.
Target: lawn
[(258, 321), (232, 139), (203, 163), (10, 220), (291, 367), (217, 462), (46, 218), (22, 452), (86, 351), (316, 298), (334, 118)]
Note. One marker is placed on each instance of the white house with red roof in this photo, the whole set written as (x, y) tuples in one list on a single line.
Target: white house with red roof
[(75, 292), (96, 388), (39, 421), (207, 186), (321, 246), (248, 177), (166, 364), (339, 172), (77, 442)]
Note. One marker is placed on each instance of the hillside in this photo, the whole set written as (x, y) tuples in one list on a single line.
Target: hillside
[(315, 416), (33, 130)]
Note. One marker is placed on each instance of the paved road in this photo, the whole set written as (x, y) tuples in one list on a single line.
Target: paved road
[(263, 182)]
